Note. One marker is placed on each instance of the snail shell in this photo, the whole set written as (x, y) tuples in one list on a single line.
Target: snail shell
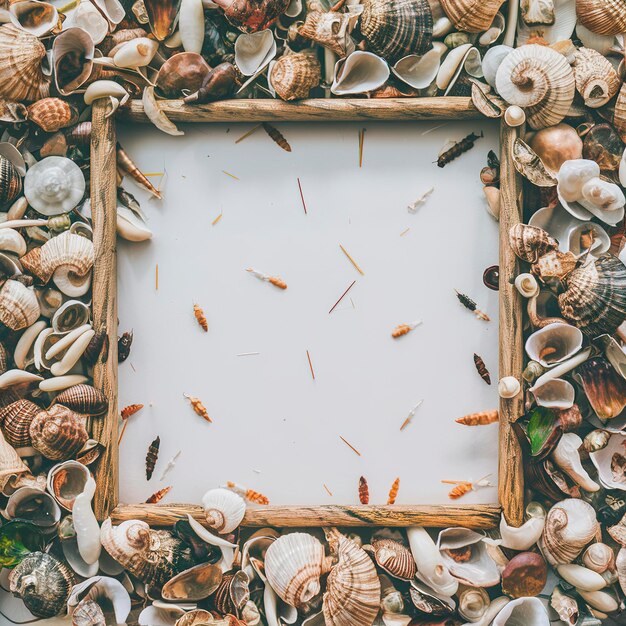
[(294, 75), (16, 419), (472, 16), (58, 433), (509, 387), (66, 481), (596, 80), (69, 316), (83, 399), (224, 509), (599, 557), (10, 181)]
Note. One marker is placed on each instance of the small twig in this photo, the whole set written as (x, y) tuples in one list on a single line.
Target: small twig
[(156, 277), (404, 232), (350, 446), (411, 414), (328, 491), (356, 266), (308, 356), (217, 219), (302, 197), (246, 135), (248, 353), (361, 142), (342, 296), (229, 174)]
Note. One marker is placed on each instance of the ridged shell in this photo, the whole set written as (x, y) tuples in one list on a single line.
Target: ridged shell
[(66, 251), (54, 185), (352, 596), (43, 583), (539, 80), (10, 182), (472, 16), (530, 243), (598, 557), (294, 75), (19, 307), (4, 359), (604, 17), (330, 29), (83, 399), (16, 419), (21, 76), (224, 509), (52, 114), (11, 466), (58, 433), (595, 296), (293, 565), (232, 593), (394, 558), (395, 28), (153, 556), (596, 80)]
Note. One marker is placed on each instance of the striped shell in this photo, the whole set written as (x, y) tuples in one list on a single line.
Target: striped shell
[(595, 296), (19, 307), (596, 80), (352, 596), (58, 433), (52, 114), (16, 420), (4, 359), (294, 75), (83, 399), (604, 17), (21, 76), (396, 28), (394, 558), (472, 16), (530, 243), (232, 593), (10, 182), (64, 251)]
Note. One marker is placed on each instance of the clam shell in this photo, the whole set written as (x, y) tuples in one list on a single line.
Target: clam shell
[(52, 114), (491, 62), (360, 72), (419, 71), (66, 481), (72, 57), (12, 241), (37, 18), (223, 509), (395, 558), (463, 58), (605, 18), (58, 433), (294, 75), (596, 80), (83, 399), (329, 29), (111, 9), (194, 584), (425, 600), (19, 307), (553, 344), (232, 593), (35, 506), (254, 51), (16, 419), (472, 16), (473, 603), (10, 182), (523, 612)]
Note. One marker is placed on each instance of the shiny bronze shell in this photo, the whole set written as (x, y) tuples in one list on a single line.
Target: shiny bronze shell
[(10, 181), (83, 399), (604, 387), (16, 419), (185, 70), (530, 243)]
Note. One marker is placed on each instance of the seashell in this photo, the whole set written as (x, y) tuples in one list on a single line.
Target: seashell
[(596, 80), (52, 114), (489, 106), (152, 556), (223, 509), (603, 145), (37, 18), (492, 34), (523, 611), (604, 387), (162, 16), (596, 440), (11, 468), (396, 28), (360, 72), (620, 566), (113, 10), (522, 537), (600, 600), (514, 116), (72, 53), (19, 307), (250, 16), (191, 25), (393, 557), (194, 584), (221, 82), (10, 181), (54, 185), (130, 226), (473, 603), (106, 89), (570, 525), (581, 577), (527, 285), (58, 433), (83, 399), (588, 237), (70, 316), (11, 241), (106, 593), (605, 18), (352, 596), (609, 461), (508, 387), (565, 606), (21, 75), (86, 525), (525, 575), (566, 456), (530, 243), (232, 593), (182, 71), (43, 583), (555, 393), (59, 383), (431, 567), (294, 75), (491, 62), (253, 52), (293, 566), (539, 80), (197, 617), (18, 379), (464, 58), (34, 506), (87, 19), (329, 29), (554, 344), (555, 145), (426, 601), (472, 16), (66, 481), (535, 12), (15, 419), (137, 52)]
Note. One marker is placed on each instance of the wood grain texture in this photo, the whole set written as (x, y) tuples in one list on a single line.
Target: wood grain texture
[(511, 357), (318, 110), (103, 210), (436, 516)]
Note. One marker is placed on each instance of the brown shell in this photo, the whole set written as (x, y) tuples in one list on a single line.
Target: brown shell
[(524, 575), (10, 182), (603, 145), (596, 79), (595, 296), (16, 420), (31, 262), (251, 16), (472, 16), (604, 17), (232, 593), (294, 75), (58, 433), (83, 399), (52, 114), (162, 16), (396, 28), (395, 558), (185, 70), (604, 387), (21, 75), (530, 243), (555, 264), (4, 359)]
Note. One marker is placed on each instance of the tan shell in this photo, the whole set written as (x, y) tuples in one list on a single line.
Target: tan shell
[(11, 466), (294, 75), (19, 307), (52, 114), (10, 181), (331, 30), (394, 558), (599, 557), (619, 113), (83, 399), (58, 433), (16, 419), (21, 76), (67, 250), (596, 80), (539, 80), (530, 243), (472, 16), (232, 593), (604, 17), (352, 596), (293, 565)]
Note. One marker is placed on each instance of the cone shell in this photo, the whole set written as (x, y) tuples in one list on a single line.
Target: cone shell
[(540, 80), (396, 28), (294, 75), (224, 509), (21, 76), (603, 17), (595, 296), (352, 596), (293, 565), (52, 114), (16, 419), (83, 399), (394, 558), (596, 80), (58, 433), (162, 15), (530, 243), (153, 556), (10, 182), (19, 307)]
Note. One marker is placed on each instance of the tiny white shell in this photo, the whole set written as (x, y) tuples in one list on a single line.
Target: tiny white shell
[(514, 116), (359, 72), (509, 387), (130, 226), (527, 285)]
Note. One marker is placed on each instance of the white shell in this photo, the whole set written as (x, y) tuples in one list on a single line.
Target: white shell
[(601, 239), (522, 537), (523, 612), (527, 285), (514, 116), (14, 378), (495, 607), (23, 14), (69, 316), (12, 241), (24, 353), (69, 258), (566, 341), (106, 89), (86, 525), (492, 34), (431, 568), (137, 52), (191, 25), (473, 603), (599, 558), (65, 341), (59, 383), (105, 591), (76, 476), (73, 354), (555, 393), (603, 44), (112, 10), (582, 578), (563, 368), (224, 509), (562, 29), (76, 561), (464, 57), (54, 185), (567, 458), (89, 19), (130, 226), (420, 71), (600, 600), (34, 505), (254, 51), (491, 62), (610, 462), (359, 72), (508, 387), (73, 42)]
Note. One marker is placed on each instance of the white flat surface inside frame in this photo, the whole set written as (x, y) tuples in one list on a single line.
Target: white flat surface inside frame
[(275, 429)]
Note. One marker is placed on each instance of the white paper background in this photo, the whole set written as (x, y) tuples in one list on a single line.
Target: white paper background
[(268, 414)]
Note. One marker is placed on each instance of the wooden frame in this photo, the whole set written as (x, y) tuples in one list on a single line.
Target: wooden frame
[(103, 203)]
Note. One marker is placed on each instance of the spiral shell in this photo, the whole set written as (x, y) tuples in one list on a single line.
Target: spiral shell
[(530, 243), (232, 593), (52, 114), (603, 17), (224, 509), (58, 433), (394, 558), (472, 16), (540, 80), (15, 420), (596, 80), (10, 181), (83, 399), (294, 75), (599, 557)]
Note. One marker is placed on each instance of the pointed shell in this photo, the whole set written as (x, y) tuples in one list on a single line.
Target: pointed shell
[(596, 79), (16, 419), (83, 399), (224, 510), (294, 75), (472, 16), (58, 433), (604, 17), (553, 344), (19, 307), (360, 72)]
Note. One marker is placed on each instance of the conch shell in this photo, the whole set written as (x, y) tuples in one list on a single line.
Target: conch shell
[(472, 16), (596, 79)]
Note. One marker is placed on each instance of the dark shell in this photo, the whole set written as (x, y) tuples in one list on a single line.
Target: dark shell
[(232, 593), (595, 296), (97, 346), (194, 584), (530, 243), (610, 505), (15, 420), (603, 145), (183, 71), (251, 16), (570, 419), (162, 16), (18, 539), (5, 358), (10, 181), (491, 277), (395, 558), (83, 399), (123, 346), (524, 575), (43, 583), (221, 82), (201, 550), (604, 387), (219, 38), (395, 28)]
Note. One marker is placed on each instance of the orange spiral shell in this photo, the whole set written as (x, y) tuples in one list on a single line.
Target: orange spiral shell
[(460, 490), (278, 282), (401, 330), (364, 491), (393, 492), (479, 419), (129, 410), (200, 317)]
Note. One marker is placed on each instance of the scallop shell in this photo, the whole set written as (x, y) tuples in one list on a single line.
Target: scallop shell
[(395, 558), (395, 28), (604, 17), (530, 243), (58, 433), (570, 526), (36, 18), (72, 57), (194, 584), (329, 29), (10, 181), (539, 80), (43, 583), (360, 72), (19, 307), (16, 419), (294, 75), (293, 566), (21, 75), (83, 399), (472, 16), (596, 80), (66, 481), (52, 114), (224, 510), (352, 596), (152, 556), (604, 387)]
